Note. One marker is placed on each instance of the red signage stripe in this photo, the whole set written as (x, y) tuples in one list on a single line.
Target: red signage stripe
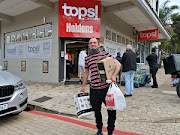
[(77, 122)]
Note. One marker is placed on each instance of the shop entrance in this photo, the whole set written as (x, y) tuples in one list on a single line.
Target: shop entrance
[(72, 49)]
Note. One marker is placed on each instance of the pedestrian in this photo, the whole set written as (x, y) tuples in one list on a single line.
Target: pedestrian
[(138, 58), (98, 89), (68, 65), (129, 67), (81, 63), (118, 57), (152, 61)]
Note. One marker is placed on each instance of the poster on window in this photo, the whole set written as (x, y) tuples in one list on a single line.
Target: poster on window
[(23, 66), (5, 65), (31, 49), (113, 48), (45, 66)]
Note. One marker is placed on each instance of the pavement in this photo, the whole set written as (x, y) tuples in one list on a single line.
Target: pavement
[(150, 111)]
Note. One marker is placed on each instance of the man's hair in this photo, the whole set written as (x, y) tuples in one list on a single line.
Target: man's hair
[(118, 53), (153, 50), (129, 47)]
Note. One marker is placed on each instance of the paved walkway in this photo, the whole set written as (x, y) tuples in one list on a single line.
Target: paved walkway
[(149, 111)]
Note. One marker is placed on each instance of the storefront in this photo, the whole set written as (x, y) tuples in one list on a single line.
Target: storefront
[(36, 40)]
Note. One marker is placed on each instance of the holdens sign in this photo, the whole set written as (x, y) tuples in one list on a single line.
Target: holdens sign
[(79, 18)]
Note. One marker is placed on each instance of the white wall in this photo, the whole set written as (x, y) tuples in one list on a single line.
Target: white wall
[(34, 65)]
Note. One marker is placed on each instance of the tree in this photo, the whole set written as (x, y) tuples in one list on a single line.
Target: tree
[(171, 21), (165, 12)]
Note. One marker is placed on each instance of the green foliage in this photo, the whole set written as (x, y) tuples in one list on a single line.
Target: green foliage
[(171, 19)]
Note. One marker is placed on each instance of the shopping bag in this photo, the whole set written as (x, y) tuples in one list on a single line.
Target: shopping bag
[(82, 104), (114, 98)]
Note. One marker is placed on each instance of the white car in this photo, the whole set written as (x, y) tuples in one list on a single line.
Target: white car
[(13, 93)]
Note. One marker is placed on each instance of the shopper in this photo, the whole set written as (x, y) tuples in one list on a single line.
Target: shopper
[(81, 63), (129, 67), (118, 57), (98, 89), (152, 60), (68, 65)]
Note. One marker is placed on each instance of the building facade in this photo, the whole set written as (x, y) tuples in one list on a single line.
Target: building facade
[(33, 44)]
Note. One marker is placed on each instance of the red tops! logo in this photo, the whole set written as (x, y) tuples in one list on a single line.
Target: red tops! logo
[(148, 35), (80, 11)]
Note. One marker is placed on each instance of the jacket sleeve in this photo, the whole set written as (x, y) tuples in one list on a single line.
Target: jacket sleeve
[(123, 58)]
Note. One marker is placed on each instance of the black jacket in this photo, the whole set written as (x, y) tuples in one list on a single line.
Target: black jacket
[(152, 60), (129, 61)]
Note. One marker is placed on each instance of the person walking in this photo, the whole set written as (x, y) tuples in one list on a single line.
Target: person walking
[(81, 63), (98, 89), (118, 57), (152, 61), (129, 67)]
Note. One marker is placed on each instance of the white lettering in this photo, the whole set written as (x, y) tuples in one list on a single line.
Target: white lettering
[(78, 28), (80, 11), (148, 35)]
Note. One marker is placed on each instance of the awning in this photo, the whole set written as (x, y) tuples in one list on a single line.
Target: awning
[(138, 14)]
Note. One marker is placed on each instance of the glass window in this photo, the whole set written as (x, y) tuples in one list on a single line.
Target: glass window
[(130, 42), (24, 36), (127, 41), (118, 39), (7, 39), (40, 33), (13, 38), (123, 40), (32, 35), (108, 34), (48, 32), (113, 36), (18, 37), (134, 44)]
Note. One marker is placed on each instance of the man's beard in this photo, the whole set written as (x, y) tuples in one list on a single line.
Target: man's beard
[(93, 51)]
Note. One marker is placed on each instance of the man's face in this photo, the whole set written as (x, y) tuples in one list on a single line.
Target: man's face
[(93, 43)]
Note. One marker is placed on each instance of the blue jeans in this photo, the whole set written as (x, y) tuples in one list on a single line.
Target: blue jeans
[(129, 83)]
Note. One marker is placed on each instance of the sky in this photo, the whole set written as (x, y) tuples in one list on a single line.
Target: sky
[(172, 2)]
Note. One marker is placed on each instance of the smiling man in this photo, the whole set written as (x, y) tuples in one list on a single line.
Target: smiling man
[(98, 89)]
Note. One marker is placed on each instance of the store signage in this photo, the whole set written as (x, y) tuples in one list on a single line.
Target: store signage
[(31, 49), (79, 18), (148, 34)]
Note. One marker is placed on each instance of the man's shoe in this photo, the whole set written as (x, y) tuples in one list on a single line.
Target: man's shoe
[(125, 95), (153, 86), (99, 132), (80, 81)]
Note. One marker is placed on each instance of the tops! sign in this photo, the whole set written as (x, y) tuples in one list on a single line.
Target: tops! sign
[(148, 34), (79, 18)]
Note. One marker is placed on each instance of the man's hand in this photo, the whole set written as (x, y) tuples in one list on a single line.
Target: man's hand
[(82, 89), (113, 78)]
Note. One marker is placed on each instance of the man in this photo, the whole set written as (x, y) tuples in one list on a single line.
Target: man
[(129, 67), (152, 60), (98, 89), (118, 57), (81, 63)]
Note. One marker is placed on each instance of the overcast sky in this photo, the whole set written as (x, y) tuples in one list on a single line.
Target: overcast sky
[(172, 2)]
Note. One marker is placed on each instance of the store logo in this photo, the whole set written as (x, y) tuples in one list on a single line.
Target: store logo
[(148, 35), (11, 51), (34, 49), (81, 12)]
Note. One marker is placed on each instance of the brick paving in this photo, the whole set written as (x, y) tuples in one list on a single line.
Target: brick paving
[(149, 111)]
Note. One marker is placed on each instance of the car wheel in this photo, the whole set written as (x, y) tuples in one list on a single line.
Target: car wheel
[(178, 89)]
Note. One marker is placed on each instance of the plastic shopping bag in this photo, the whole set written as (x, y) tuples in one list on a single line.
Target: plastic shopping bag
[(114, 98), (82, 104)]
